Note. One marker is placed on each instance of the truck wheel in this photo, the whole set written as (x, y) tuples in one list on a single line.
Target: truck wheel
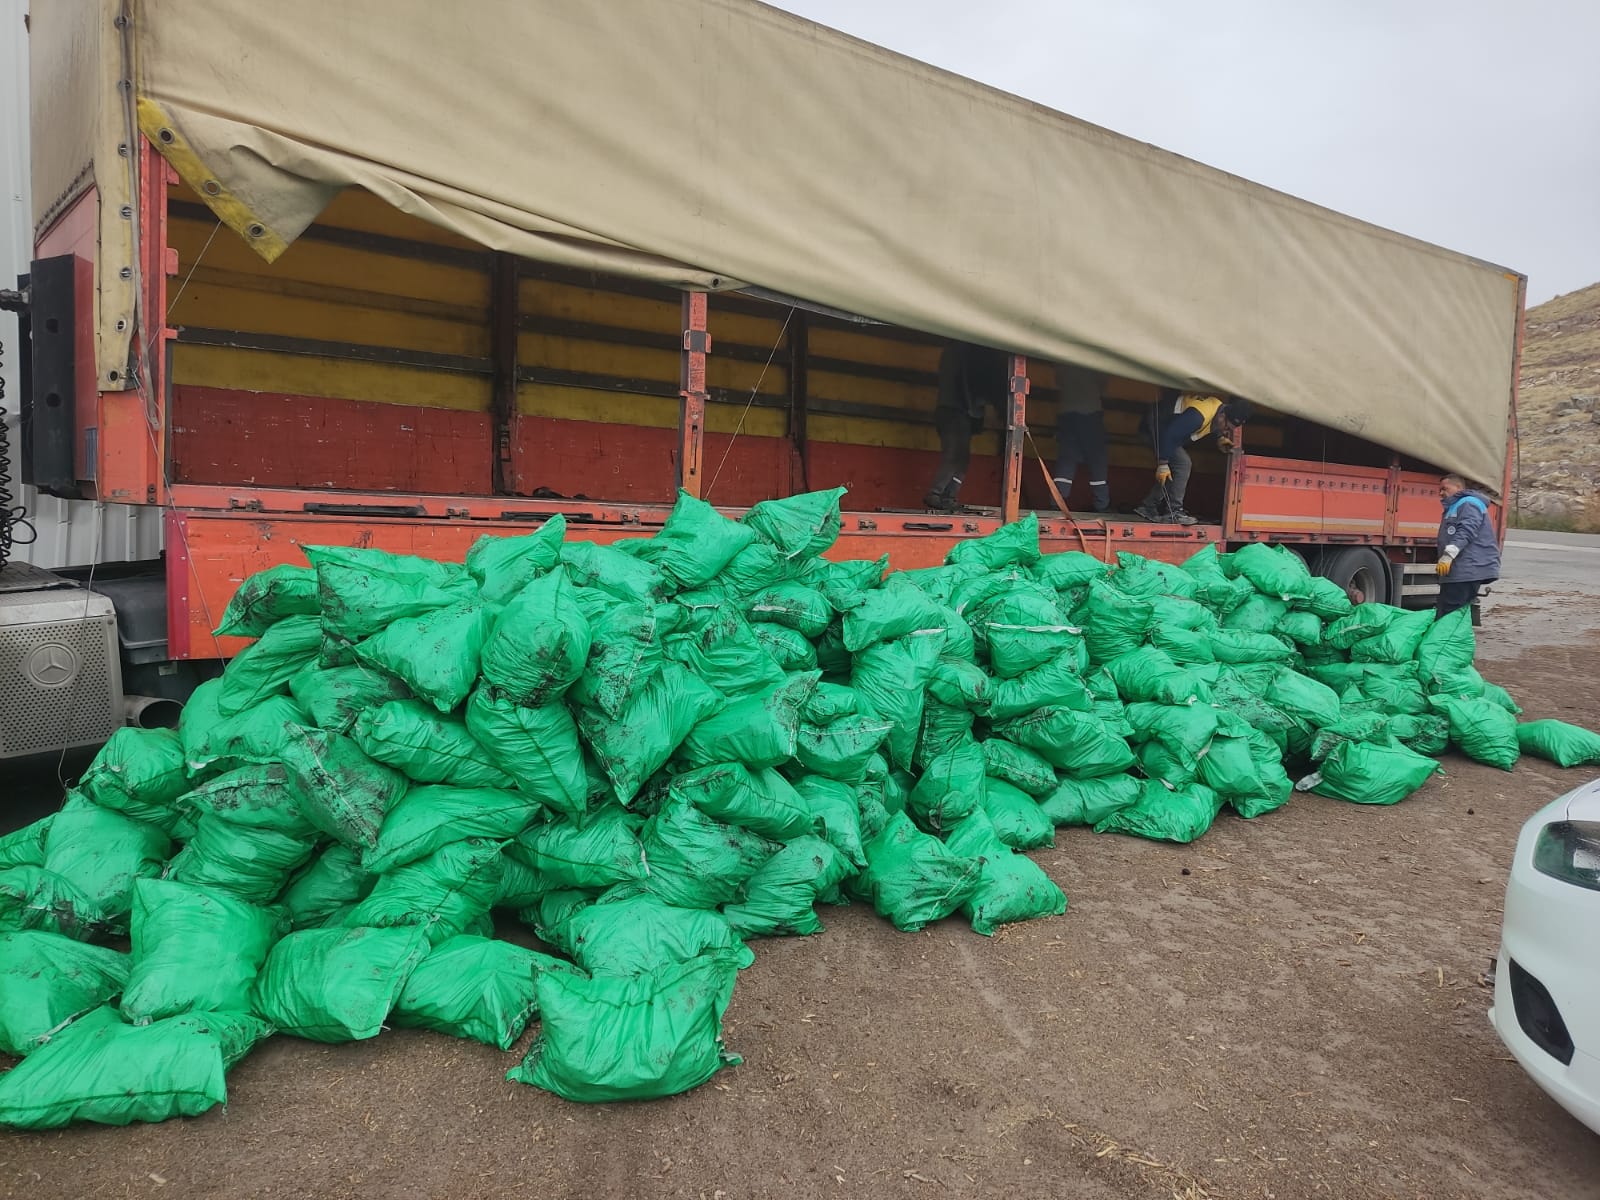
[(1358, 568)]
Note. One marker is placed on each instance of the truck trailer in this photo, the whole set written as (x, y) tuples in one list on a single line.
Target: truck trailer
[(398, 274)]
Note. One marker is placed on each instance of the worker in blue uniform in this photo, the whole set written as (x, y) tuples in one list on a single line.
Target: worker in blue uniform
[(1469, 552)]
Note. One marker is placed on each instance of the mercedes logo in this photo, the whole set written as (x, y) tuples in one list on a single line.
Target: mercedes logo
[(52, 665)]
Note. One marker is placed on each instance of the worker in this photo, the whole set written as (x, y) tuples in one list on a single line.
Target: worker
[(1469, 554), (971, 378), (1081, 432), (1176, 419)]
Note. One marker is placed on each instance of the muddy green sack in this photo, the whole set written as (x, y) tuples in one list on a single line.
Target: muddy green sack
[(537, 747), (890, 612), (1148, 674), (101, 854), (912, 878), (1016, 544), (1069, 569), (249, 863), (1017, 765), (337, 985), (789, 648), (1303, 698), (1258, 614), (763, 802), (344, 793), (636, 745), (430, 817), (1077, 743), (103, 1070), (1018, 820), (138, 772), (446, 893), (47, 980), (759, 731), (426, 746), (630, 931), (1011, 886), (265, 667), (1161, 814), (615, 573), (1145, 577), (503, 566), (476, 988), (1400, 640), (1448, 646), (1024, 628), (719, 647), (327, 889), (1302, 628), (835, 805), (1367, 773), (661, 1033), (1113, 622), (626, 653), (1055, 681), (194, 950), (267, 597), (212, 741), (1483, 730), (436, 654), (1241, 646), (696, 861), (950, 789), (799, 526), (539, 644), (1558, 742), (1245, 769), (335, 697), (1362, 622), (1274, 570), (779, 898), (1088, 801), (891, 678), (361, 590), (695, 543), (791, 605), (602, 851), (843, 748), (25, 847)]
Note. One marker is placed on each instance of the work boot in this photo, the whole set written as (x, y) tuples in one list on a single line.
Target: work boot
[(941, 500), (1182, 518), (1148, 513)]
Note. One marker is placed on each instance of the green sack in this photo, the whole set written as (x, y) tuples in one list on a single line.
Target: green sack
[(362, 590), (1069, 569), (780, 896), (1114, 623), (1016, 544), (1363, 621), (429, 818), (437, 654), (194, 950), (836, 806), (632, 932), (101, 853), (474, 987), (253, 797), (1163, 815), (46, 981), (719, 647), (1395, 694), (1558, 742), (602, 851), (1426, 733), (845, 582), (1496, 694), (636, 745), (843, 748), (1483, 730), (264, 667), (267, 597), (696, 542), (1022, 768), (252, 864), (912, 878), (799, 526), (1148, 674), (891, 612), (329, 887), (1303, 698), (503, 566), (1054, 682), (537, 747), (789, 648), (1238, 646), (950, 789), (1089, 801), (1352, 726), (1327, 601), (1399, 641), (792, 605), (759, 731), (426, 746), (1074, 742), (1185, 730), (662, 1032), (698, 862), (1244, 768), (891, 678), (1157, 761), (1024, 629), (759, 565), (1258, 614), (1365, 773), (1221, 592), (25, 847), (763, 802), (1274, 570), (102, 1070), (961, 684), (344, 793), (1011, 887), (139, 773), (337, 985), (1304, 629), (335, 697), (942, 728), (1018, 820), (257, 735), (445, 893), (1139, 576), (1448, 646), (626, 654), (539, 643)]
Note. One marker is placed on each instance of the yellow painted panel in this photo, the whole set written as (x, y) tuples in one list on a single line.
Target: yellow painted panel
[(744, 376), (857, 389), (598, 358), (357, 208), (206, 304), (318, 262), (764, 332), (869, 431), (566, 302), (587, 404), (868, 348), (263, 371), (758, 422)]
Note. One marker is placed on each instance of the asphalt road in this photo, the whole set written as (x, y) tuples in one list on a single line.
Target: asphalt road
[(1548, 592)]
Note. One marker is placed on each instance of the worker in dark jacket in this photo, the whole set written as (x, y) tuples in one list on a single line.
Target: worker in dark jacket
[(1081, 432), (1178, 419), (971, 378), (1469, 553)]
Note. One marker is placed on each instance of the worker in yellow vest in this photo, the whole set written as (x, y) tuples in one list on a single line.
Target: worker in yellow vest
[(1177, 419)]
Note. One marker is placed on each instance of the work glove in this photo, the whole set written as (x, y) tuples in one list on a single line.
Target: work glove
[(1443, 566), (1225, 444), (1163, 473)]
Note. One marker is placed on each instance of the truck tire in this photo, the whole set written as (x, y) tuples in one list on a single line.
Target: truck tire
[(1359, 567)]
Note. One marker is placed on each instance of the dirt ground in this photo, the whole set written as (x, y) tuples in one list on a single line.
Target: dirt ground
[(1291, 1008)]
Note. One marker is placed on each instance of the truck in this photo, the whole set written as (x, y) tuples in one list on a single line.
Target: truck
[(371, 274)]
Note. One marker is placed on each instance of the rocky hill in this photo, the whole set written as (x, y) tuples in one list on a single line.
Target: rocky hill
[(1559, 414)]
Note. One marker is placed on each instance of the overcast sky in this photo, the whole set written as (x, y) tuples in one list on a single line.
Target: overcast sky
[(1471, 123)]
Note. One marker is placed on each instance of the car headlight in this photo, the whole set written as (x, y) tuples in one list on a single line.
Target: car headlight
[(1570, 851)]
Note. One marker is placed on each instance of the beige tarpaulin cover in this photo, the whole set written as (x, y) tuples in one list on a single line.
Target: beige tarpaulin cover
[(704, 142)]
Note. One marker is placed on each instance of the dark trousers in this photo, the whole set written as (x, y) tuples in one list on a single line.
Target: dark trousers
[(1169, 497), (1454, 594), (1081, 441), (955, 427)]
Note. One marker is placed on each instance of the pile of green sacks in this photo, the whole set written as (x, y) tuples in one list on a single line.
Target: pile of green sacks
[(650, 752)]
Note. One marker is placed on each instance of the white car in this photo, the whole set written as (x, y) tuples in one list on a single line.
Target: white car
[(1547, 982)]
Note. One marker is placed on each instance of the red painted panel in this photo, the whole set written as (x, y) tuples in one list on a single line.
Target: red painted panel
[(226, 436), (630, 464), (739, 472), (887, 477)]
